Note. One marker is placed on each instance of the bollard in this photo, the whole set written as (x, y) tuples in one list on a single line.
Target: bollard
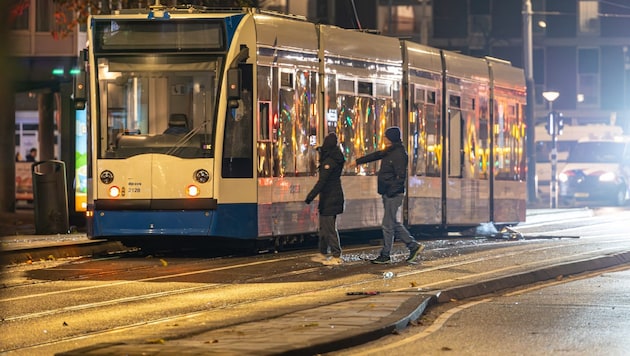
[(50, 197)]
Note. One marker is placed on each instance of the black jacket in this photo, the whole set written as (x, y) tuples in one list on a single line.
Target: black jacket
[(328, 186), (393, 172)]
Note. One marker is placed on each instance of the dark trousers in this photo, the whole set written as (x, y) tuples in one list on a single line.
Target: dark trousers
[(328, 235), (392, 228)]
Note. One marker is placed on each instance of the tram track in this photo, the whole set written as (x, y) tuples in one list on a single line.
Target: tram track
[(364, 283), (294, 276)]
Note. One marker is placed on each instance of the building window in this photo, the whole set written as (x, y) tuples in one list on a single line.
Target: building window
[(46, 11), (588, 77), (44, 16), (412, 20), (589, 17), (18, 17)]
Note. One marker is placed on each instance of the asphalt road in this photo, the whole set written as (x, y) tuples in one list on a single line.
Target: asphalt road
[(173, 302), (589, 315)]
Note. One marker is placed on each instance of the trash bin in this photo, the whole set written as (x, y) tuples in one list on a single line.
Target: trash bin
[(50, 197)]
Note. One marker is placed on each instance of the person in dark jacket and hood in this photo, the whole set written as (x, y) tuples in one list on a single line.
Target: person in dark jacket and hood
[(391, 186), (331, 200)]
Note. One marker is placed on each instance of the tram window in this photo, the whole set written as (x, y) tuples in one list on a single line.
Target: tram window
[(264, 143), (383, 90), (237, 143), (286, 80), (264, 83), (509, 154), (366, 88), (263, 121), (455, 143), (455, 101), (433, 141), (426, 141), (294, 149), (420, 95), (360, 128), (431, 97), (346, 86)]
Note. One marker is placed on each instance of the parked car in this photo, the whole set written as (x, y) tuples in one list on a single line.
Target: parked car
[(596, 170)]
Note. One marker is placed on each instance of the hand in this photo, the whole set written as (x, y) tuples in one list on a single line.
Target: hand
[(308, 201), (352, 164)]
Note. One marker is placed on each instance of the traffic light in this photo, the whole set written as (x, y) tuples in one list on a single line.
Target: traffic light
[(555, 123), (560, 122)]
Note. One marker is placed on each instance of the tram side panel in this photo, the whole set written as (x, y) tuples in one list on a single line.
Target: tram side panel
[(510, 189), (467, 172), (423, 71), (363, 79), (287, 124)]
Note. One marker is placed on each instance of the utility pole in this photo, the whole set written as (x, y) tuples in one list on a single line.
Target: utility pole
[(530, 120)]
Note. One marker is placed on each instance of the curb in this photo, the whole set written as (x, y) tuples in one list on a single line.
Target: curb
[(52, 252), (409, 311), (530, 277)]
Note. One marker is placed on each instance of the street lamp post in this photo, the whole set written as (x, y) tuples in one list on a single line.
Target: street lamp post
[(529, 109), (552, 128)]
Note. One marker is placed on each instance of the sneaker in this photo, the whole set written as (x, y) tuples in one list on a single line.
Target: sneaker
[(319, 258), (414, 252), (381, 260), (333, 261)]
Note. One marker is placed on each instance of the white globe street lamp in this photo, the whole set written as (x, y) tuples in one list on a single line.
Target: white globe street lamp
[(551, 96)]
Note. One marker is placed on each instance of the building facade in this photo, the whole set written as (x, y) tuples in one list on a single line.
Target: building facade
[(580, 47)]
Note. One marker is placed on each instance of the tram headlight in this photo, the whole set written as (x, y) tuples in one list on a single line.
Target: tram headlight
[(107, 176), (192, 190), (114, 191), (202, 176)]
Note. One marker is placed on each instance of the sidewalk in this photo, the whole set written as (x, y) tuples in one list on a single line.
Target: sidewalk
[(22, 222)]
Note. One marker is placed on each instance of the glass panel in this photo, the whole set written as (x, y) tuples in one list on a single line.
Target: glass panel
[(425, 141), (19, 16), (296, 143), (509, 134), (361, 125), (156, 104), (346, 86), (150, 35), (455, 141), (43, 15), (238, 140)]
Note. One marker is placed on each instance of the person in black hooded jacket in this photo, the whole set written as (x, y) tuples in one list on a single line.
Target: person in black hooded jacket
[(331, 200), (391, 186)]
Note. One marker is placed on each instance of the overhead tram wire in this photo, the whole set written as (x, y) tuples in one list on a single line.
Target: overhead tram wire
[(356, 16)]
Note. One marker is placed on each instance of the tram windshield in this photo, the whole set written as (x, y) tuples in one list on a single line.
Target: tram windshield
[(157, 104)]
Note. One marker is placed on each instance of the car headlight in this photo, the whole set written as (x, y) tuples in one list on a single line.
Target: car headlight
[(608, 177), (563, 177)]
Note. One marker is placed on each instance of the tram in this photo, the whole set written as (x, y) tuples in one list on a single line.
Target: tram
[(206, 123)]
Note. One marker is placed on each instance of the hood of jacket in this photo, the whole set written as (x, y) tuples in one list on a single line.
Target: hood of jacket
[(332, 152)]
